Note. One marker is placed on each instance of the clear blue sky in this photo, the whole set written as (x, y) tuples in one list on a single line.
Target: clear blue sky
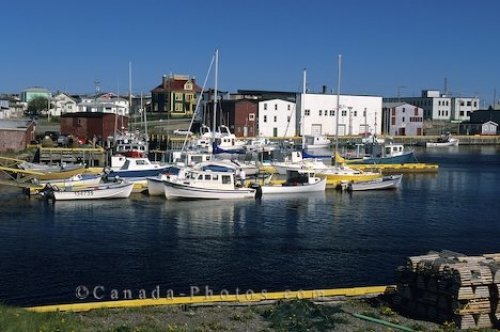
[(67, 45)]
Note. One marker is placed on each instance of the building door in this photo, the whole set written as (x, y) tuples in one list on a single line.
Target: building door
[(402, 132), (275, 132), (316, 129), (245, 131), (419, 131)]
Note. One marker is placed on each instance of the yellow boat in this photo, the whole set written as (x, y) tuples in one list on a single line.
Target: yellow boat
[(340, 173)]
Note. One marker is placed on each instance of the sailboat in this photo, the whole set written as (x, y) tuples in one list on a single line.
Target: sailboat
[(202, 184), (335, 174)]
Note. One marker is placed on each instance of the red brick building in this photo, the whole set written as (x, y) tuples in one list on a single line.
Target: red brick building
[(239, 115), (86, 125), (16, 135)]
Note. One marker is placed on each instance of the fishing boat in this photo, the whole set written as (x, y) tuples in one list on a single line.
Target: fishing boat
[(111, 190), (386, 182), (261, 145), (78, 180), (385, 153), (297, 181), (194, 184), (443, 141), (136, 169), (316, 142)]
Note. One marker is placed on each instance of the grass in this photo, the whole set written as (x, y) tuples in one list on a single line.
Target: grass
[(302, 315), (14, 320)]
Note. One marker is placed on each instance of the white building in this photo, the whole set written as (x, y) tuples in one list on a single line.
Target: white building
[(357, 114), (276, 118), (402, 119), (62, 103), (105, 103), (441, 107)]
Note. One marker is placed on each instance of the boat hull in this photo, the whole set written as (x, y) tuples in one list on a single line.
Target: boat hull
[(407, 157), (387, 182), (111, 191), (294, 189), (453, 142), (155, 186), (181, 191)]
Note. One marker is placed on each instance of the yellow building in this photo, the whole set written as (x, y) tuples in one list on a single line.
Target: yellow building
[(175, 96)]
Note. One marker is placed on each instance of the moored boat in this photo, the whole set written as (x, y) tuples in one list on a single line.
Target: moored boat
[(110, 190), (78, 180), (193, 184), (297, 181), (386, 182), (443, 141)]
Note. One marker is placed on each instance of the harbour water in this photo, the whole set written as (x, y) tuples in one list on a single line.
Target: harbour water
[(324, 240)]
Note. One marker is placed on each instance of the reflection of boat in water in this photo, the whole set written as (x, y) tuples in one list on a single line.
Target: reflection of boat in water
[(386, 182)]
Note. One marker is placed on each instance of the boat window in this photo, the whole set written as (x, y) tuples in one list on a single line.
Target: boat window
[(207, 177), (226, 179), (215, 177)]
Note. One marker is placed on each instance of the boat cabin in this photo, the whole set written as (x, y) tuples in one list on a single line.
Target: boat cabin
[(299, 177), (208, 179)]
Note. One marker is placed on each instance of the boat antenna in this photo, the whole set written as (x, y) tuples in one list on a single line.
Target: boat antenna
[(214, 144), (338, 110)]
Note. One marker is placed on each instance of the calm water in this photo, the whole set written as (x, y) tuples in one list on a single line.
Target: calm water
[(324, 240)]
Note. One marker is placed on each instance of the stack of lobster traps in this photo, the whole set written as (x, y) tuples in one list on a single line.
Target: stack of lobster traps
[(448, 286)]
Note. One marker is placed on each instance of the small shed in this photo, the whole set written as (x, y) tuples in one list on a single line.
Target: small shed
[(87, 125), (489, 128), (16, 135)]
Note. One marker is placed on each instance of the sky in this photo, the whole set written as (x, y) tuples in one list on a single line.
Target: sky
[(386, 45)]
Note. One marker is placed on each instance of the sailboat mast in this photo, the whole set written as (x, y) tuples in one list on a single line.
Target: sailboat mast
[(214, 124), (338, 108)]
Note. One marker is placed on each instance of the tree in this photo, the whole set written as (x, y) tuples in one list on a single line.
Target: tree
[(37, 105)]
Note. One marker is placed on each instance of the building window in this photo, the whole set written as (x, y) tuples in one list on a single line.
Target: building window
[(288, 118), (251, 117), (332, 113), (355, 113), (344, 113), (469, 103), (288, 107), (393, 121), (265, 106), (265, 118), (307, 112), (320, 112), (403, 119), (393, 112), (275, 107), (475, 104), (275, 118), (462, 103), (416, 111)]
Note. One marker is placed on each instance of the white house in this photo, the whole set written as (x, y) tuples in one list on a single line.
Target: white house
[(105, 103), (402, 119), (317, 114), (62, 103), (441, 107), (276, 118), (489, 128)]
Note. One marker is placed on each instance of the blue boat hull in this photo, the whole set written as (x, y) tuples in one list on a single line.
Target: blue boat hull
[(139, 173)]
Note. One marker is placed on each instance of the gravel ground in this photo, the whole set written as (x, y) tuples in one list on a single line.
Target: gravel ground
[(333, 315)]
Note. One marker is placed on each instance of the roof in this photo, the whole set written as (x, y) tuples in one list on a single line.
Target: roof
[(392, 104), (176, 84), (88, 115), (15, 124)]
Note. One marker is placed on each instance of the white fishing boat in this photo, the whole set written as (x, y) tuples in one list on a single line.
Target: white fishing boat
[(78, 180), (261, 145), (316, 142), (297, 181), (194, 184), (443, 141), (386, 182), (110, 190)]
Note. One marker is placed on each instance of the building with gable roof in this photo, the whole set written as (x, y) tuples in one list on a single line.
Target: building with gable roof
[(175, 96)]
